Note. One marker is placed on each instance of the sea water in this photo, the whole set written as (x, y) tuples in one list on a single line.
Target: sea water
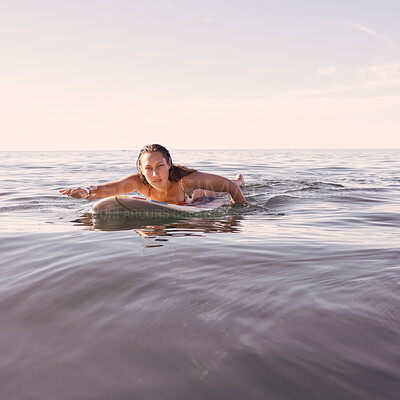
[(294, 296)]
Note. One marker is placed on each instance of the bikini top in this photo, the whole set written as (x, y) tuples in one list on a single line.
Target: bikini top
[(187, 199)]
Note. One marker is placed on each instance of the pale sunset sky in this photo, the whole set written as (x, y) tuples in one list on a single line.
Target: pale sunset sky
[(196, 74)]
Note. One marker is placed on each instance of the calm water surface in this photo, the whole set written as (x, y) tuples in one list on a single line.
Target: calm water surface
[(295, 296)]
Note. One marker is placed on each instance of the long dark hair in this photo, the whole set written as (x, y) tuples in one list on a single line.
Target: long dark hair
[(176, 172)]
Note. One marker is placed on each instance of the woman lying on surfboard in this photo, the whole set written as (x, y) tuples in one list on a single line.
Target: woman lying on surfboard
[(159, 179)]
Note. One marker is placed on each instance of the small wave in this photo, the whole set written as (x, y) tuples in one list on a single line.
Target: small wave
[(39, 203), (5, 193), (290, 185), (258, 186), (321, 186), (389, 219), (353, 199), (31, 167), (280, 200), (361, 189)]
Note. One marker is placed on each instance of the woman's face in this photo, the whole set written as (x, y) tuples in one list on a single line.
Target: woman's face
[(155, 168)]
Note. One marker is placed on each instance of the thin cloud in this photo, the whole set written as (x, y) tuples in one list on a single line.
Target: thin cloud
[(387, 70), (380, 74), (371, 32), (329, 72)]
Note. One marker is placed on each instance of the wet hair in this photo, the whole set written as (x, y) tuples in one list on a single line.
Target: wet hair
[(176, 172)]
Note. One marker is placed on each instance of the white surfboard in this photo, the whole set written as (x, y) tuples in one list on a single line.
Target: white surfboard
[(141, 206)]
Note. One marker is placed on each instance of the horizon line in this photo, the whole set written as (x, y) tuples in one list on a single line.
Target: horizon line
[(207, 149)]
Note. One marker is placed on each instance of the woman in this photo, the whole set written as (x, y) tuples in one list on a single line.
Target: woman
[(159, 179)]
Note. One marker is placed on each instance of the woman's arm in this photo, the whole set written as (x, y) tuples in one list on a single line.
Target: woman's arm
[(216, 183), (124, 185)]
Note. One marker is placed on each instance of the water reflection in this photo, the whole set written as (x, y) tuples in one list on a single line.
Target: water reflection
[(157, 228)]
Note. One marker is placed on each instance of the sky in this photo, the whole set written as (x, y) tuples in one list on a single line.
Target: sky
[(199, 74)]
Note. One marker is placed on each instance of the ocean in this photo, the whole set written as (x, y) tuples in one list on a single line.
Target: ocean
[(294, 296)]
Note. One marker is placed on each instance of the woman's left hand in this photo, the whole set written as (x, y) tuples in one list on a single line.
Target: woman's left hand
[(77, 193)]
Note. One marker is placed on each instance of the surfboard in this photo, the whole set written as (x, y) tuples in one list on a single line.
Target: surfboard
[(142, 206)]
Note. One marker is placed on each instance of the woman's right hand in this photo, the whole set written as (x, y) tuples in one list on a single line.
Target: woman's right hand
[(77, 193)]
